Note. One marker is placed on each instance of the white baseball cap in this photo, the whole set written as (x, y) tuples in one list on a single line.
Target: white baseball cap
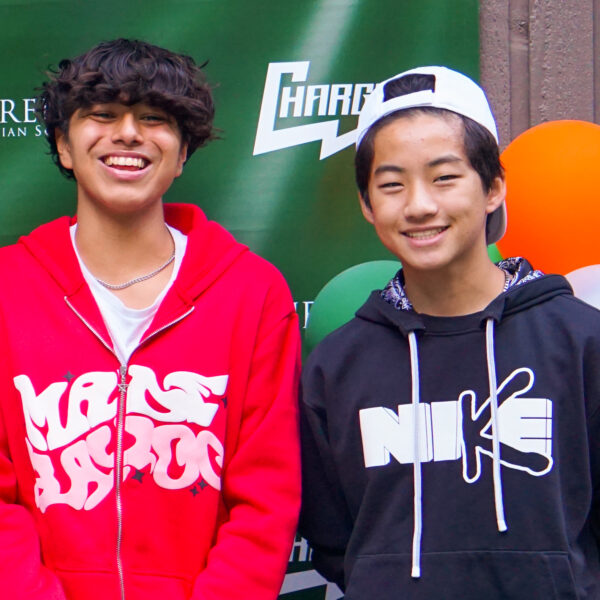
[(452, 91)]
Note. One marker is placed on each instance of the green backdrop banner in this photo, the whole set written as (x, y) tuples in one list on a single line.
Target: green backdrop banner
[(289, 78)]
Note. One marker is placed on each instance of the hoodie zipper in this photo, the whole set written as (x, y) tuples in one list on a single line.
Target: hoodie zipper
[(120, 426), (119, 472)]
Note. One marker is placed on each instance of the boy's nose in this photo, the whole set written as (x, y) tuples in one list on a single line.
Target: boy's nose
[(419, 203), (127, 130)]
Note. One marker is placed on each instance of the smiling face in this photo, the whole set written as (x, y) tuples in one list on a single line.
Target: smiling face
[(427, 203), (124, 158)]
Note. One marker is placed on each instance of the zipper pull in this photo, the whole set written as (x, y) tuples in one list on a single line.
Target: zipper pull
[(122, 385)]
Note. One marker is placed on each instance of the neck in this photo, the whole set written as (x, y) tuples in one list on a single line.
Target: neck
[(455, 291), (119, 248)]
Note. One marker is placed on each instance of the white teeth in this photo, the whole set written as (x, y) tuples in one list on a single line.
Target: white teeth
[(125, 161), (423, 235)]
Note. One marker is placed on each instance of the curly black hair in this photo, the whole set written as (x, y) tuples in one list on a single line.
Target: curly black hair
[(128, 72)]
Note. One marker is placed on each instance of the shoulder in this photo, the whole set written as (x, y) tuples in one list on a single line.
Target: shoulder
[(48, 238), (14, 251), (350, 346), (581, 318), (548, 297), (261, 270), (582, 307), (261, 276), (257, 287), (562, 319), (375, 324), (15, 261), (570, 309)]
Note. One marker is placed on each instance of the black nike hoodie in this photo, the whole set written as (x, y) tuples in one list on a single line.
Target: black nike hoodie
[(457, 457)]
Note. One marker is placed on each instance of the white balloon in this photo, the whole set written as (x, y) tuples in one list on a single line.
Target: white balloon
[(586, 284)]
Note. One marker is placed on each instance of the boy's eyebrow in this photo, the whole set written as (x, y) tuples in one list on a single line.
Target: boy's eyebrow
[(447, 158), (388, 168)]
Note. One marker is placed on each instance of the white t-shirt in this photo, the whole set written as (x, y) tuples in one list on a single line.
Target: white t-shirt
[(125, 325)]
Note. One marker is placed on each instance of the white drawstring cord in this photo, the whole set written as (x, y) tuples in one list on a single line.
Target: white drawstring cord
[(417, 502), (491, 364)]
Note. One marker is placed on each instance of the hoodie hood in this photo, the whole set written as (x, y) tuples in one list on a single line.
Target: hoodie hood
[(528, 287), (211, 252)]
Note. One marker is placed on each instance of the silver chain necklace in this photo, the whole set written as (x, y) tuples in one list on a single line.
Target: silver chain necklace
[(122, 286)]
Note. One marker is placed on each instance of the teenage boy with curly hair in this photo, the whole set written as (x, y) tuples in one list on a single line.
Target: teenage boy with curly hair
[(450, 430), (148, 431)]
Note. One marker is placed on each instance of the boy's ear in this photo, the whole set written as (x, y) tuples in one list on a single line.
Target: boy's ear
[(496, 195), (182, 158), (64, 150), (365, 208)]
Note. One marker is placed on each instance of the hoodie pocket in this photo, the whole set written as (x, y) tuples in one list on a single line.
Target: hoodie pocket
[(498, 575)]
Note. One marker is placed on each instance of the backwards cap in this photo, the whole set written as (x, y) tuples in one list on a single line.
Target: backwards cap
[(451, 91)]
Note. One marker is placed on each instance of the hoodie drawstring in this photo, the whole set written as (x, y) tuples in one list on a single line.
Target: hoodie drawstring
[(417, 498), (417, 501), (491, 364)]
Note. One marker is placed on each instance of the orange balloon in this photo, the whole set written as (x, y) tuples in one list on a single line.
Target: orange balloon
[(553, 196)]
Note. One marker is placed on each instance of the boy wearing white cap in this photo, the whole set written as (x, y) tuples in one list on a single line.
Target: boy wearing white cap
[(450, 429)]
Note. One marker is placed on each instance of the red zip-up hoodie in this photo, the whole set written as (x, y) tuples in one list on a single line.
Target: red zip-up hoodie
[(173, 476)]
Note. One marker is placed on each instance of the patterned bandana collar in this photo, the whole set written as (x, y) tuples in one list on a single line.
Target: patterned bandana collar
[(516, 270)]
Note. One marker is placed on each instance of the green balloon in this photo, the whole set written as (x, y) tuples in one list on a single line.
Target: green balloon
[(494, 253), (341, 297)]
